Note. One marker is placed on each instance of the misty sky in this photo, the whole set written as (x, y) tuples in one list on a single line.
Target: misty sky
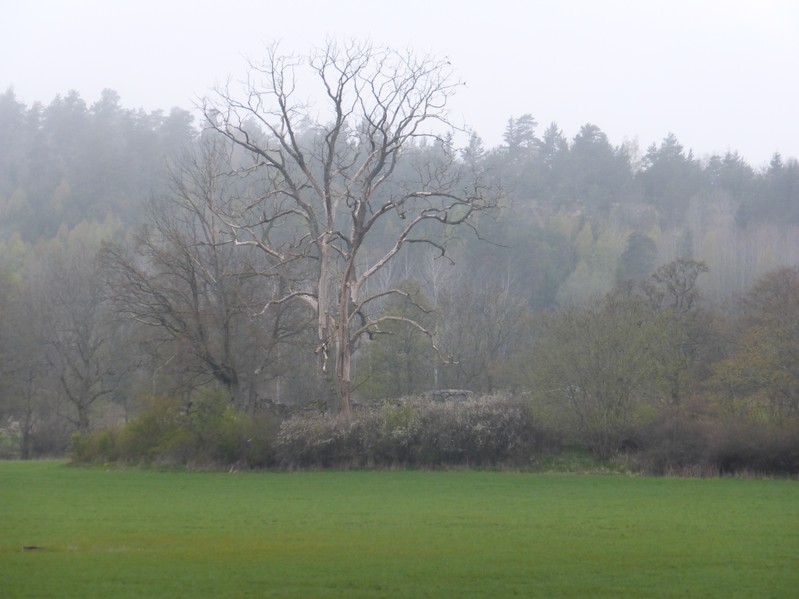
[(721, 75)]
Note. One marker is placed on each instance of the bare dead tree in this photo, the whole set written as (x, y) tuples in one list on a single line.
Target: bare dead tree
[(373, 162)]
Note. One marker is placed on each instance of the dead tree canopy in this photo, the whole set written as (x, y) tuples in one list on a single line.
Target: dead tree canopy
[(346, 158)]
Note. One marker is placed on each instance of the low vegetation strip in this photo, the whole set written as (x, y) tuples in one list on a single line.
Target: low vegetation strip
[(492, 431), (151, 533)]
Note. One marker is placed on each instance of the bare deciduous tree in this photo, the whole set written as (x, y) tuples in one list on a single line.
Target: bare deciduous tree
[(183, 280), (23, 366), (80, 337), (345, 186)]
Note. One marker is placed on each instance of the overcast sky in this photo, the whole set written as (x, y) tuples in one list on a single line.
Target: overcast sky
[(721, 75)]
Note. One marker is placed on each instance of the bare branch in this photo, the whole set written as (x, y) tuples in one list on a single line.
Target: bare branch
[(326, 184), (375, 324)]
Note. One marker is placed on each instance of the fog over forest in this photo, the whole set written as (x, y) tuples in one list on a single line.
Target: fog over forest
[(265, 261)]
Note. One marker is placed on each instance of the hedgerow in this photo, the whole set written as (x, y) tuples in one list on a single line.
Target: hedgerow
[(421, 432), (493, 430)]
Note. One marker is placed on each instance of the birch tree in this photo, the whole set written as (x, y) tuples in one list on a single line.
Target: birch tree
[(344, 185)]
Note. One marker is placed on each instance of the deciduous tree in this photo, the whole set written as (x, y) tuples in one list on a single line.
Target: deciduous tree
[(594, 368), (761, 374), (182, 278), (80, 337), (345, 186)]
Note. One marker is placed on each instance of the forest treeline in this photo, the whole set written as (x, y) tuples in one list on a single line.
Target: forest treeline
[(626, 299)]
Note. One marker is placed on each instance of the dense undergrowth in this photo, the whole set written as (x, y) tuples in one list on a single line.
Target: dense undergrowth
[(492, 431)]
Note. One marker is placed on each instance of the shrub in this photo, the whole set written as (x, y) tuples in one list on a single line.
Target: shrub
[(10, 440), (725, 446), (672, 445), (98, 446), (740, 446), (495, 430), (154, 432), (210, 433)]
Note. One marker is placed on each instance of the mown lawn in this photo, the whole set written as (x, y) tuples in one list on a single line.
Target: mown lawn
[(146, 533)]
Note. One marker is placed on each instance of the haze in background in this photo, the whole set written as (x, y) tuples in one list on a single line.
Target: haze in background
[(720, 75)]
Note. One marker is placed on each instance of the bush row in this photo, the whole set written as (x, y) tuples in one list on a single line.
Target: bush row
[(422, 432), (413, 432)]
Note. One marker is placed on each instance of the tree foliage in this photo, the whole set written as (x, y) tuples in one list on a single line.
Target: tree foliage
[(593, 366), (761, 373)]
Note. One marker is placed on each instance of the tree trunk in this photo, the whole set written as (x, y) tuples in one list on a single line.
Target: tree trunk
[(344, 379), (25, 445), (344, 354), (83, 417)]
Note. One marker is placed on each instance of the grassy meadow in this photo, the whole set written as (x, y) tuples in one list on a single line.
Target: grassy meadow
[(80, 532)]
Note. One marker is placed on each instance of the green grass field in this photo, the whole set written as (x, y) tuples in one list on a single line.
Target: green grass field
[(149, 534)]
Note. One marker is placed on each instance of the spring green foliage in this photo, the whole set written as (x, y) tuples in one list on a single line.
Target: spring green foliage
[(592, 366), (761, 375), (146, 533), (166, 431)]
